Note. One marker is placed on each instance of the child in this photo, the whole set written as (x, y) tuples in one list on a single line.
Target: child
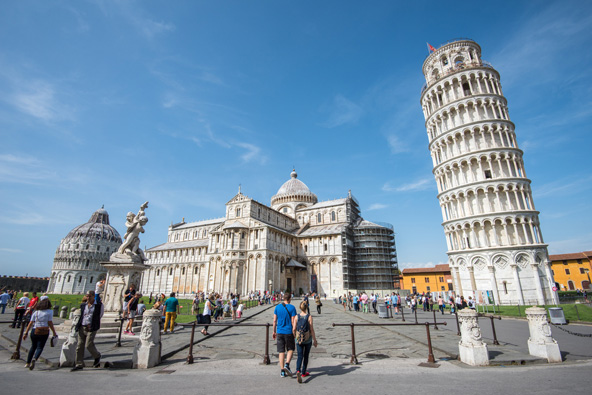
[(99, 288), (239, 311)]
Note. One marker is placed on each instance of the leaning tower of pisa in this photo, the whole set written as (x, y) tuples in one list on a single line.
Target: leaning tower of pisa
[(491, 225)]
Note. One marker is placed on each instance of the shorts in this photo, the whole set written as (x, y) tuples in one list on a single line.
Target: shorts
[(285, 342), (132, 314)]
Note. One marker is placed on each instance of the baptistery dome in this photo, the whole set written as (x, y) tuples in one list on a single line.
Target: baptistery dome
[(293, 195), (76, 265)]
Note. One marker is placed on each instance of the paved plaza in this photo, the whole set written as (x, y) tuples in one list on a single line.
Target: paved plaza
[(390, 358)]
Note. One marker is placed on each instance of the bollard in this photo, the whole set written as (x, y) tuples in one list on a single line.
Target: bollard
[(493, 329), (190, 356), (266, 356), (68, 351), (435, 325), (147, 353), (472, 350), (416, 314), (354, 359), (402, 313), (120, 330), (64, 312), (457, 324), (577, 312), (430, 352), (17, 352), (541, 343)]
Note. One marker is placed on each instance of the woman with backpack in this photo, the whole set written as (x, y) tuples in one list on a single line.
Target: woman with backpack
[(305, 339)]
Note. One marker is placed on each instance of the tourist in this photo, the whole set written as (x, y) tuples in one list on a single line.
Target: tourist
[(413, 304), (356, 301), (171, 308), (239, 310), (90, 322), (452, 305), (132, 310), (441, 304), (394, 302), (195, 305), (234, 306), (284, 320), (128, 295), (207, 314), (141, 307), (374, 301), (344, 301), (4, 298), (364, 300), (150, 298), (471, 303), (458, 302), (99, 289), (19, 311), (42, 322), (463, 303), (304, 325), (318, 303), (431, 302)]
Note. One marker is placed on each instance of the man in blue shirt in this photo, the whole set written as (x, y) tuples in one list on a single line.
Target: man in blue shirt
[(4, 298), (284, 322), (171, 308)]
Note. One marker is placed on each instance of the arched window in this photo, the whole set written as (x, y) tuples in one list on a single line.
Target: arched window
[(319, 218), (332, 215), (183, 271), (171, 272), (91, 280), (238, 213), (158, 272), (195, 271), (68, 278)]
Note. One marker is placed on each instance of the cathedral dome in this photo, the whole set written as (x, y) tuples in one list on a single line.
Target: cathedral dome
[(293, 191), (76, 265)]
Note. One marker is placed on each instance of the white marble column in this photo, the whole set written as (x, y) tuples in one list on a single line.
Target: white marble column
[(472, 350), (537, 283), (147, 353), (517, 281)]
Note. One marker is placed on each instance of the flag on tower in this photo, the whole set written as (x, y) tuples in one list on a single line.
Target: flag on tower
[(430, 47)]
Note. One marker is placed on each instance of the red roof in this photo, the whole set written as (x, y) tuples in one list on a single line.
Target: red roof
[(572, 256)]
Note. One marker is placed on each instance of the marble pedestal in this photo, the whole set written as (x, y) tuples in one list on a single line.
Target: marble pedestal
[(68, 353), (122, 271), (540, 342)]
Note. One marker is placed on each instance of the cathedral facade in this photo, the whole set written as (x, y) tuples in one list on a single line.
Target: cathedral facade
[(296, 244)]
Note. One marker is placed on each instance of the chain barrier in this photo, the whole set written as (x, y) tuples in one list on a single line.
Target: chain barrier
[(572, 333)]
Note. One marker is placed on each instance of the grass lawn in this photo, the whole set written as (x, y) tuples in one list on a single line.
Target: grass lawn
[(184, 305), (572, 312)]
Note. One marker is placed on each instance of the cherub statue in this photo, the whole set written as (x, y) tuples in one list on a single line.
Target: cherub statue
[(134, 223)]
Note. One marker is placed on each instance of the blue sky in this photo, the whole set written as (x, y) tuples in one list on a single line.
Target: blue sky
[(117, 102)]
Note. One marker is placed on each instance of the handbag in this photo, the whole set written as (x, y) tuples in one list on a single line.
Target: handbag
[(42, 331)]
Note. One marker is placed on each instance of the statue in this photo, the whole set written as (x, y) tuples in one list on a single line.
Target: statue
[(131, 244)]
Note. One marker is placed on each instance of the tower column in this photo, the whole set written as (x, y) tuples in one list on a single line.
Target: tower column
[(517, 281)]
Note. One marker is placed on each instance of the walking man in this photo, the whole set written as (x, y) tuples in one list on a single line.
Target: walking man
[(90, 322), (171, 308), (4, 298), (284, 320)]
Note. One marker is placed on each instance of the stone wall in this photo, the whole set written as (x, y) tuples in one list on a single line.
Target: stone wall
[(26, 284)]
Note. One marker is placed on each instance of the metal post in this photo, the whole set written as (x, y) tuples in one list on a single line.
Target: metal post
[(435, 325), (493, 329), (190, 356), (577, 312), (519, 313), (120, 329), (416, 314), (17, 352), (457, 324), (354, 359), (402, 312), (430, 352), (266, 356)]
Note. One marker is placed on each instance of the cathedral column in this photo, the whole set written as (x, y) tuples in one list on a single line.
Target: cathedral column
[(551, 282), (456, 278), (517, 281), (537, 283), (494, 283), (472, 276)]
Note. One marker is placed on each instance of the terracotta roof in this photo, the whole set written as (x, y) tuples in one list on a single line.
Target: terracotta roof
[(437, 269), (576, 255)]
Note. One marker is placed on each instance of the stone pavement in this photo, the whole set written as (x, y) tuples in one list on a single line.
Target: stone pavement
[(393, 343)]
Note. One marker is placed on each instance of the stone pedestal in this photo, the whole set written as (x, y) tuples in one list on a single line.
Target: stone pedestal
[(68, 353), (122, 271), (472, 350), (148, 351), (540, 342)]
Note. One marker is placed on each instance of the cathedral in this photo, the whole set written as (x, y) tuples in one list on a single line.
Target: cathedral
[(297, 244)]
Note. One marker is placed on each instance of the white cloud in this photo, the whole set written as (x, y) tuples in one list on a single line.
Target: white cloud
[(38, 99), (13, 250), (418, 185), (253, 153), (342, 111), (396, 145), (377, 206), (24, 169)]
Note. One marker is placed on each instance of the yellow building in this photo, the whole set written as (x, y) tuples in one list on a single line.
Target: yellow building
[(572, 271), (427, 279)]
